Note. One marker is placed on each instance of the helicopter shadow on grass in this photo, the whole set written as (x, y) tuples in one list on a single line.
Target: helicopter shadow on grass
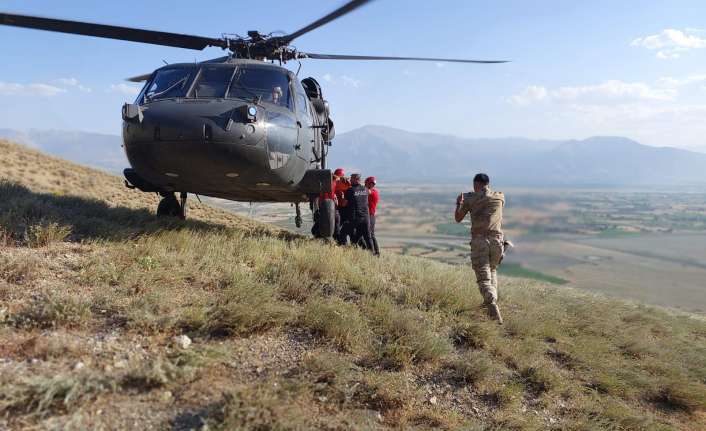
[(197, 419), (22, 209)]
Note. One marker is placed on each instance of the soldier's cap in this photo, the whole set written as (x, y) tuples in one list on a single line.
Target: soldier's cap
[(339, 172), (356, 176), (370, 180)]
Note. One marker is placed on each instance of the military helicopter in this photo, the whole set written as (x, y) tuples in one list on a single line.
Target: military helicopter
[(239, 127)]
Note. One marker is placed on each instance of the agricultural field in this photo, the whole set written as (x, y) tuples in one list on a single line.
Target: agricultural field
[(648, 246), (644, 245)]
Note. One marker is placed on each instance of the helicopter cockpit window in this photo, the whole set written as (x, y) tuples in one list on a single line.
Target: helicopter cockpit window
[(212, 82), (168, 83), (267, 84), (302, 101)]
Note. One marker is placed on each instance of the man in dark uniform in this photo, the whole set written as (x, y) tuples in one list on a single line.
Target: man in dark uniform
[(356, 203)]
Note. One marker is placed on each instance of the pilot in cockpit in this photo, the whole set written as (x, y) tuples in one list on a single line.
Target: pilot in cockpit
[(277, 95)]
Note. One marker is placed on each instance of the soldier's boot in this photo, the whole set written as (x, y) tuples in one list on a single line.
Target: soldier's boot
[(494, 313)]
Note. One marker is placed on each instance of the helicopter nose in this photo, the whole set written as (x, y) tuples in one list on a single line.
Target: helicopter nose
[(183, 144)]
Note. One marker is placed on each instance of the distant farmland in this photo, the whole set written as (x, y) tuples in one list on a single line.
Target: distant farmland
[(645, 246)]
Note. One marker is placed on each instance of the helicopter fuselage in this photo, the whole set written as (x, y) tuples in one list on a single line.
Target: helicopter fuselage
[(236, 127), (241, 130)]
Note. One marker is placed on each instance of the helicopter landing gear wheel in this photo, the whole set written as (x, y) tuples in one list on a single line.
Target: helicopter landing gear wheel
[(298, 218), (326, 219), (324, 212), (169, 206), (182, 214)]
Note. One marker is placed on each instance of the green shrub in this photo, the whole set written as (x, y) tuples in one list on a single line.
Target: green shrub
[(292, 283), (611, 414), (246, 308), (147, 263), (43, 395), (338, 321), (155, 373), (151, 311), (681, 395), (403, 337), (267, 406), (441, 295), (6, 238), (51, 310), (385, 391), (41, 235), (505, 393), (472, 367), (539, 378), (19, 268), (470, 334)]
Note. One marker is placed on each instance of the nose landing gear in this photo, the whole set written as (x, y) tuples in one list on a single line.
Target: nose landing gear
[(298, 218), (169, 206), (183, 196)]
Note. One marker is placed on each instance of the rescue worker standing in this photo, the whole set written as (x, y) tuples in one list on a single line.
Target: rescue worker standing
[(358, 214), (373, 199), (486, 209), (342, 184), (337, 174)]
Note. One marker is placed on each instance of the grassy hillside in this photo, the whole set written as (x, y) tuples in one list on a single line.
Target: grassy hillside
[(288, 333)]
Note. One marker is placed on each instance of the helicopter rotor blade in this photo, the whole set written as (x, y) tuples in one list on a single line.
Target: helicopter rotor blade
[(140, 78), (372, 57), (111, 32), (346, 8)]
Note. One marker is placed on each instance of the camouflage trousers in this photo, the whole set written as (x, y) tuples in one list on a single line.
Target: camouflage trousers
[(486, 253)]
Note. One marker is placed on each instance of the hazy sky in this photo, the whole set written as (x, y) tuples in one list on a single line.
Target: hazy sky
[(579, 68)]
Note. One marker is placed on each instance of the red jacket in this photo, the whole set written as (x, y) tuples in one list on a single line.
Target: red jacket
[(373, 199), (341, 186)]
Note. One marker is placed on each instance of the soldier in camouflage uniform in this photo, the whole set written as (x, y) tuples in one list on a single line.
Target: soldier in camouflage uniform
[(486, 209)]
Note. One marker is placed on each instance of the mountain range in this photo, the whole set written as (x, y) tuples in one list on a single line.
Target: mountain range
[(398, 155), (395, 154)]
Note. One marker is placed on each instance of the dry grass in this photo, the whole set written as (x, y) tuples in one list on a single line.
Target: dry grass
[(403, 336), (20, 268), (53, 310), (282, 341), (474, 367), (44, 395), (338, 321), (246, 309)]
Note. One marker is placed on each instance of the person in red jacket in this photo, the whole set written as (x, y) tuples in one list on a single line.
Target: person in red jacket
[(373, 199), (341, 185)]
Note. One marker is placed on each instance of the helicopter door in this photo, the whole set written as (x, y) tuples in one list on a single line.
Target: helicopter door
[(304, 123)]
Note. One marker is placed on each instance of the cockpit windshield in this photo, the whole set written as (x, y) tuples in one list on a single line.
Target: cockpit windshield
[(265, 83), (248, 82), (213, 81), (168, 83)]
